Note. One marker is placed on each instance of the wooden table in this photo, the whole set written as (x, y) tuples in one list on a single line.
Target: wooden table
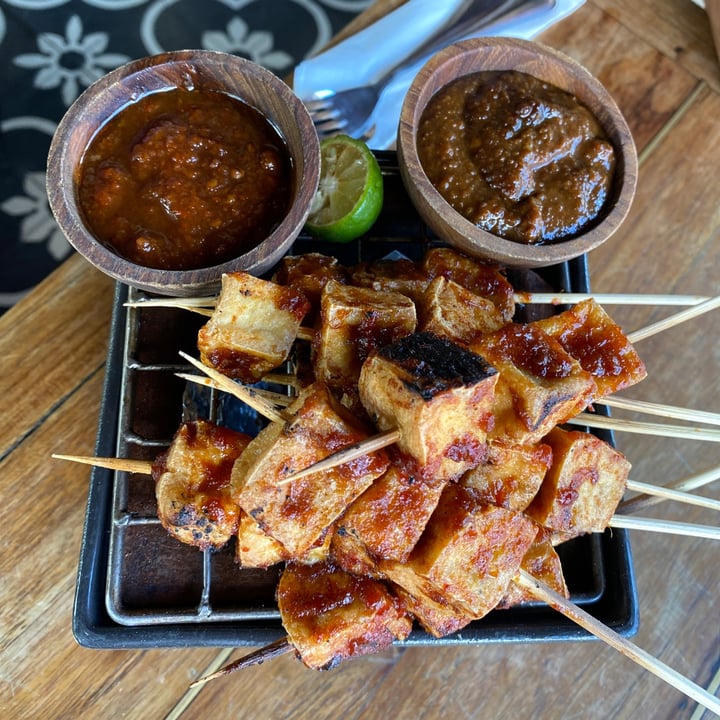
[(657, 58)]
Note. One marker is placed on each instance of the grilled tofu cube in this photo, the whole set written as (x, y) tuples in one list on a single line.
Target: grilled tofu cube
[(439, 397), (510, 475), (354, 322), (590, 335), (400, 275), (387, 520), (450, 310), (480, 278), (467, 554), (540, 384), (298, 512), (192, 484), (582, 487), (436, 615), (253, 327), (543, 563), (331, 615)]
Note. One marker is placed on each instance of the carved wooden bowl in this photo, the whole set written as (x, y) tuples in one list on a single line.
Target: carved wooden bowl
[(483, 54), (202, 70)]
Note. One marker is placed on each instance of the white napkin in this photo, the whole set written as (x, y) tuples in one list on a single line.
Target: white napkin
[(365, 56)]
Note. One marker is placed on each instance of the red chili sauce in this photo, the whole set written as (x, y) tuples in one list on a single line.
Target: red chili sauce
[(516, 156), (185, 179)]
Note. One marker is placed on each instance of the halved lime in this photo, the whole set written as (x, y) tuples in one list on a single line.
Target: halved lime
[(350, 193)]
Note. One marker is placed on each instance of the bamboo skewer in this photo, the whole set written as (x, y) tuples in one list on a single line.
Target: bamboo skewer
[(272, 397), (673, 320), (664, 493), (630, 522), (141, 467), (542, 592), (644, 428), (661, 410)]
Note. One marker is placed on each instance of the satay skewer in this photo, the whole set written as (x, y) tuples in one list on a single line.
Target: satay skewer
[(592, 420), (676, 319), (661, 410), (650, 663)]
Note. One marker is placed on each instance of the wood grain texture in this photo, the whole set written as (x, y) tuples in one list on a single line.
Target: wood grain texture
[(657, 59)]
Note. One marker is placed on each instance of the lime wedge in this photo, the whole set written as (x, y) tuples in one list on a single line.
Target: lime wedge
[(350, 193)]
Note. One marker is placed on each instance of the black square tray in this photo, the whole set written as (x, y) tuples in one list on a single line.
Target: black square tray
[(139, 588)]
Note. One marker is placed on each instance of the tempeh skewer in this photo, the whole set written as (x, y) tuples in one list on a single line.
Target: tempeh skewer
[(622, 645)]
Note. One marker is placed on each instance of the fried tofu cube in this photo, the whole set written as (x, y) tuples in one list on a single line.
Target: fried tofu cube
[(467, 554), (387, 520), (543, 563), (590, 335), (298, 512), (434, 613), (480, 278), (438, 395), (253, 327), (193, 484), (399, 275), (450, 310), (583, 486), (309, 273), (540, 384), (354, 322), (510, 475), (331, 615)]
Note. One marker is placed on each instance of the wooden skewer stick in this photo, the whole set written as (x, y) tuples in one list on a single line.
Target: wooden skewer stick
[(141, 467), (257, 657), (272, 397), (675, 319), (641, 502), (542, 592), (644, 428), (608, 298), (630, 522), (242, 392), (670, 494), (671, 411), (184, 303)]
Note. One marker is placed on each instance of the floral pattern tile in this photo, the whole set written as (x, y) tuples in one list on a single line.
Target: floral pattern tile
[(51, 50)]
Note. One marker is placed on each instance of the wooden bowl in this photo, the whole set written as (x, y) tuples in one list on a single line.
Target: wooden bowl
[(203, 70), (484, 54)]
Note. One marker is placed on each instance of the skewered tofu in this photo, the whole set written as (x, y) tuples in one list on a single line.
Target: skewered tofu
[(396, 275), (331, 615), (452, 311), (481, 279), (192, 484), (297, 513), (543, 563), (253, 327), (510, 475), (354, 322), (435, 614), (540, 384), (439, 397), (588, 333), (386, 521), (582, 487), (467, 554)]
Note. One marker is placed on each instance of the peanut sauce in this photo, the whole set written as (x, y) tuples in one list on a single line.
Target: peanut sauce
[(516, 156), (184, 179)]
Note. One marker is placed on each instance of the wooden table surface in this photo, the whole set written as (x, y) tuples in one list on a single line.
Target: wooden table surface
[(657, 59)]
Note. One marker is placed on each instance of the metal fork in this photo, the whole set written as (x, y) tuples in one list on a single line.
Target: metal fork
[(349, 111)]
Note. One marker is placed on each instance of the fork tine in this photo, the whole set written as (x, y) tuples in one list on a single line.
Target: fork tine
[(330, 127)]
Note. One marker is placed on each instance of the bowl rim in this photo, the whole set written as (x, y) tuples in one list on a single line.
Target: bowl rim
[(471, 56), (114, 91)]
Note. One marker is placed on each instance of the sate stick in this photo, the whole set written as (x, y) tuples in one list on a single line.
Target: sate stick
[(630, 522), (141, 467), (542, 592), (643, 428), (665, 493), (674, 320), (671, 411), (272, 397)]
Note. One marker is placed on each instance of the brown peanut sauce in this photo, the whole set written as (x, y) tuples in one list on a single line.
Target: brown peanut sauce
[(184, 179), (516, 156)]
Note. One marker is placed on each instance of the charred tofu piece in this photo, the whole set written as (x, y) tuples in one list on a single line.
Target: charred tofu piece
[(438, 395), (543, 563), (582, 487), (253, 327), (591, 336), (451, 311), (434, 613), (510, 475), (192, 484), (484, 280), (254, 548), (387, 520), (467, 554), (401, 275), (540, 384), (331, 615), (309, 273), (298, 512), (354, 322)]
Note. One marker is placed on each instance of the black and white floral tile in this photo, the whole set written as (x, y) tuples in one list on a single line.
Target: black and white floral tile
[(51, 50)]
